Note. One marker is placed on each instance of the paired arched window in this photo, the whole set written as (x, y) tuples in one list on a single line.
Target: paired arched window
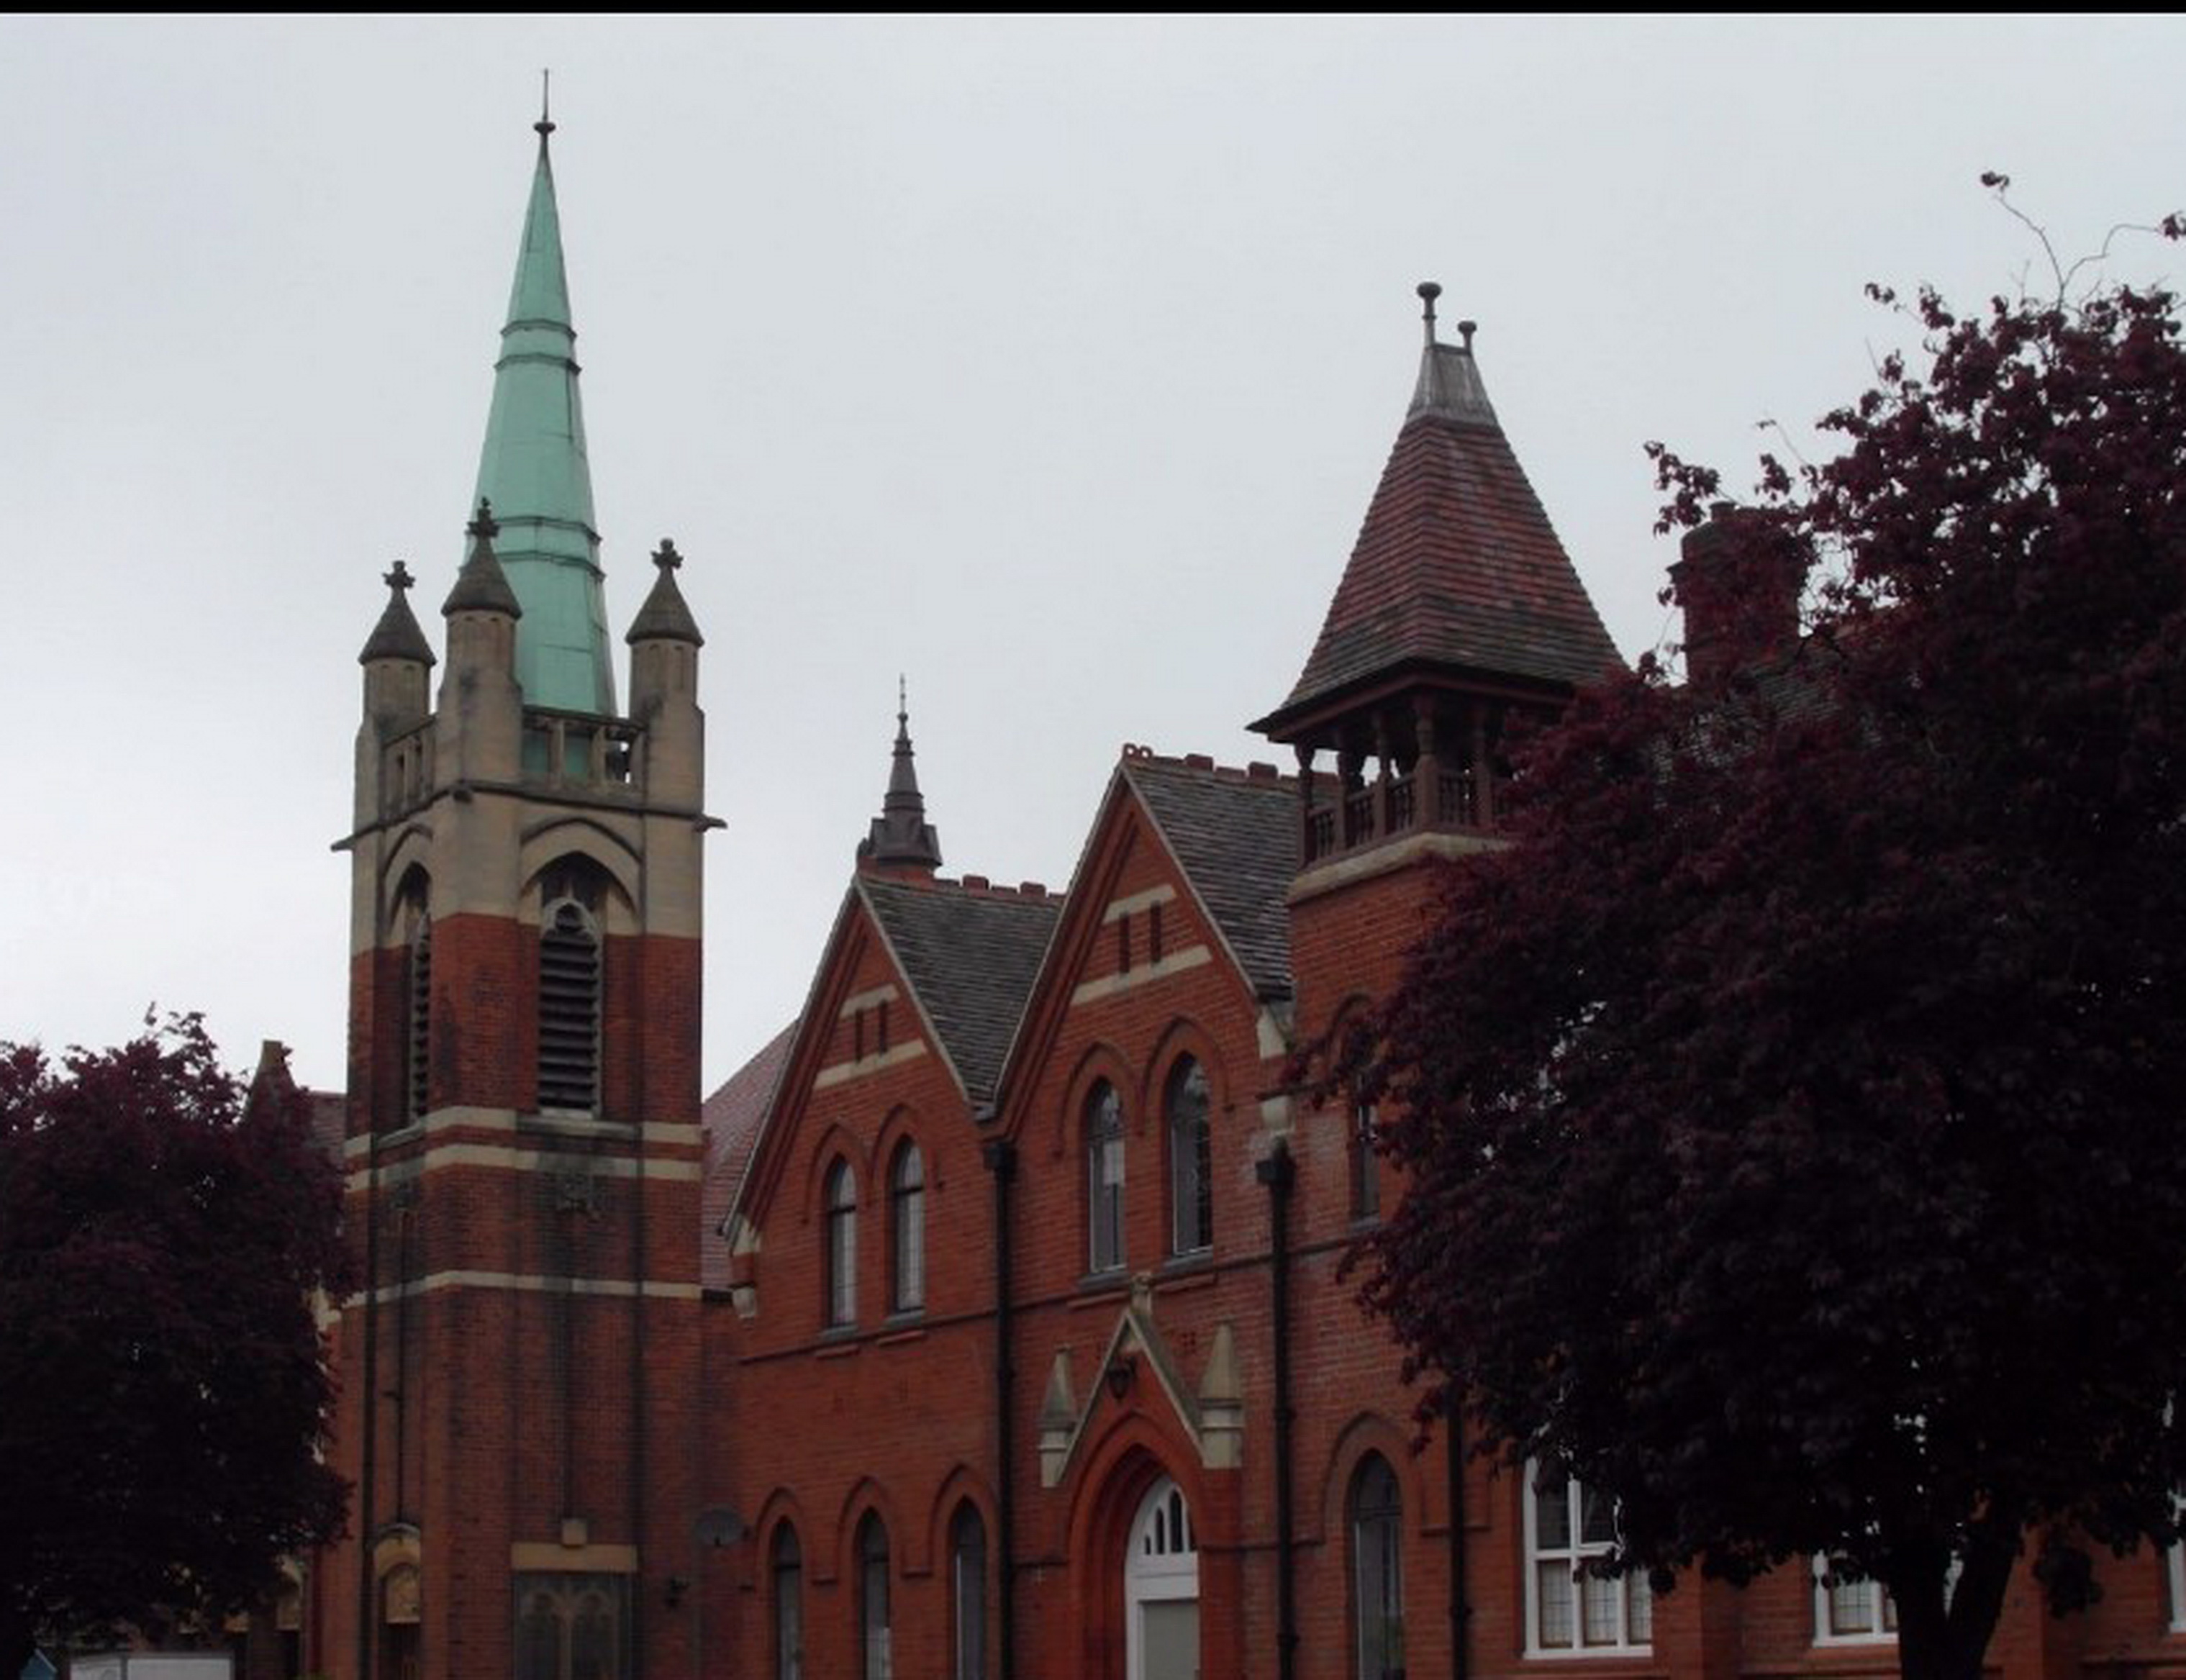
[(873, 1659), (839, 1201), (1190, 1159), (968, 1593), (1104, 1179), (570, 968), (788, 1568), (906, 1230), (1377, 1577)]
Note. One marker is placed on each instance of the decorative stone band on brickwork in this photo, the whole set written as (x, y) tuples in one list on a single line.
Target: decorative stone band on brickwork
[(523, 1160), (836, 1074), (1176, 962)]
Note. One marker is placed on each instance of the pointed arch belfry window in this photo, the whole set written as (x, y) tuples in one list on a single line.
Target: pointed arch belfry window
[(570, 975), (417, 1021)]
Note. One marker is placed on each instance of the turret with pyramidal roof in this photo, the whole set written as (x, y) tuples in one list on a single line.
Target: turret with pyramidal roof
[(534, 471), (1457, 609)]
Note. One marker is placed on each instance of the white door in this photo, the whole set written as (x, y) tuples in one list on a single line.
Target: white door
[(1161, 1588)]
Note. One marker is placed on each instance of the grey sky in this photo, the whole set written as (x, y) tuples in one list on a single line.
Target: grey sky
[(1050, 363)]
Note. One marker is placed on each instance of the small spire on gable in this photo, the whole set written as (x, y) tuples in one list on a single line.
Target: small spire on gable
[(397, 635), (482, 586), (900, 836)]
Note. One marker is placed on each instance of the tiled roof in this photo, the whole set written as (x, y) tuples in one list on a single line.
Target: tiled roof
[(1236, 834), (1455, 566), (731, 1119), (970, 953)]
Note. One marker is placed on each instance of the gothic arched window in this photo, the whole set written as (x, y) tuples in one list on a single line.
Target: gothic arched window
[(789, 1572), (1104, 1179), (968, 1593), (906, 1230), (840, 1201), (873, 1658), (569, 987), (1377, 1576), (1191, 1160)]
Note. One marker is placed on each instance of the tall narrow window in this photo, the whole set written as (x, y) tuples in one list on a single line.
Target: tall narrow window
[(1377, 1578), (570, 972), (906, 1230), (1569, 1610), (841, 1204), (874, 1662), (417, 1026), (1104, 1179), (1191, 1160), (788, 1571), (1365, 1164), (968, 1593)]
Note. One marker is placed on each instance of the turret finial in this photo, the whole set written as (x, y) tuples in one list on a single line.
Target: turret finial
[(1429, 290), (902, 702), (482, 524), (544, 126), (1465, 330), (399, 579), (666, 556)]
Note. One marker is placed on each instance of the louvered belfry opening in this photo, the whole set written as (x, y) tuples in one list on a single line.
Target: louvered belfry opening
[(418, 1027), (569, 980)]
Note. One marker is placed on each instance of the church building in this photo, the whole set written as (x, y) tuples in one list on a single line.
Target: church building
[(990, 1323)]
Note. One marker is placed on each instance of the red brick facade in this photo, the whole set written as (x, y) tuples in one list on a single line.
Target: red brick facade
[(594, 1433)]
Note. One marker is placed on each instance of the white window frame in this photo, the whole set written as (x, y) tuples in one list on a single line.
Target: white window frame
[(1631, 1589), (1881, 1612), (2174, 1580)]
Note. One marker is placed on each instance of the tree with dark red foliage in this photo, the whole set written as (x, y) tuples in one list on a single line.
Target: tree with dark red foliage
[(163, 1391), (1792, 1113)]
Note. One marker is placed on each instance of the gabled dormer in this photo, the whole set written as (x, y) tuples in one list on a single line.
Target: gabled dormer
[(1458, 612)]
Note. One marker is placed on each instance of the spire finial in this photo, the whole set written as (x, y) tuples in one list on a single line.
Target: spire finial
[(1429, 290), (902, 702), (483, 525), (399, 579), (544, 126), (1465, 330), (666, 556)]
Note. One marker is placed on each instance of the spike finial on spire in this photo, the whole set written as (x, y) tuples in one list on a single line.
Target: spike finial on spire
[(902, 701), (1429, 290), (544, 126)]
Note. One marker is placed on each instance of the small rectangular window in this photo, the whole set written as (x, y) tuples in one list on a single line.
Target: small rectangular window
[(1123, 943), (1153, 934)]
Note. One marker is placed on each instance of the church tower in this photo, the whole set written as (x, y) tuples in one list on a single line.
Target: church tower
[(519, 1357), (1458, 614)]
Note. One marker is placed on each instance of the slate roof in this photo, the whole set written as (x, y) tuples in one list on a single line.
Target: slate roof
[(971, 953), (1236, 834), (1456, 564), (731, 1120)]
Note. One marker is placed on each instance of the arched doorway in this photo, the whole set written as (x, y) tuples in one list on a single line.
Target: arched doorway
[(1161, 1588)]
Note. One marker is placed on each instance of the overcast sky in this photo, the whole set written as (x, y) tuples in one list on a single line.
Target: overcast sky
[(1049, 363)]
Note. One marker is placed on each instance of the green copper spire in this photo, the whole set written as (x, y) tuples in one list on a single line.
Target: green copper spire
[(534, 471)]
